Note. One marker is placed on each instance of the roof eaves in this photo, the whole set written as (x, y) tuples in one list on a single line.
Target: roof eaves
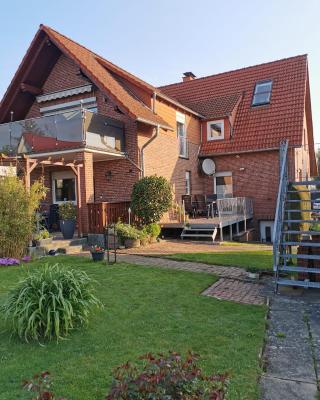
[(178, 104), (161, 125)]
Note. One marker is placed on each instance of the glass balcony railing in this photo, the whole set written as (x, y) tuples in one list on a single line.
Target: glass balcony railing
[(69, 130)]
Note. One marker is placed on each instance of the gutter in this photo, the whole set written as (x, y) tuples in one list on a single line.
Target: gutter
[(144, 147)]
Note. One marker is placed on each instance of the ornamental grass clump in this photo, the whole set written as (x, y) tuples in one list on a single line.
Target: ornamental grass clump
[(49, 303)]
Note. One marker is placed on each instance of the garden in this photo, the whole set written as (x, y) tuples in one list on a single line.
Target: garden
[(75, 329)]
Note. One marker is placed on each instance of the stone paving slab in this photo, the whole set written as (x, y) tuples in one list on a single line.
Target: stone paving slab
[(223, 271), (280, 389), (236, 290)]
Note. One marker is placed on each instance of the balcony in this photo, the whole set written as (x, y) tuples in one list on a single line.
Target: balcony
[(61, 132)]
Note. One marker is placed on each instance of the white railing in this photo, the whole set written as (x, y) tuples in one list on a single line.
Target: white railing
[(235, 206)]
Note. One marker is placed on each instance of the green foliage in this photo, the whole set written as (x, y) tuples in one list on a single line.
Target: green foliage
[(169, 377), (143, 233), (42, 234), (17, 214), (50, 302), (67, 210), (153, 230), (126, 231), (151, 198), (315, 226)]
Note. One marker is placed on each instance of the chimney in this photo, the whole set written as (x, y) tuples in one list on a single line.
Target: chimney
[(188, 76)]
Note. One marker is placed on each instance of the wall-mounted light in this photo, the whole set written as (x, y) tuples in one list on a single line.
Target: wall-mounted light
[(237, 156), (241, 169)]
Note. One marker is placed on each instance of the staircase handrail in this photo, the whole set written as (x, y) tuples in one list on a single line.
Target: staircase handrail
[(280, 208)]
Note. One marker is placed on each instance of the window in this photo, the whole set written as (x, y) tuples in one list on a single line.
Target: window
[(262, 93), (223, 185), (63, 187), (215, 130), (188, 182), (182, 134)]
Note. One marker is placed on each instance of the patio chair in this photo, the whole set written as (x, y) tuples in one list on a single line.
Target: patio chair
[(211, 201), (189, 207), (201, 206)]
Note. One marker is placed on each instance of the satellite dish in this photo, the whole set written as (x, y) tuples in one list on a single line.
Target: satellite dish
[(208, 166)]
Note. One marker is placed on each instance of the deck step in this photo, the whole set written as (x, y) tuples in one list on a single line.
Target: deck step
[(300, 269), (300, 201), (199, 229), (291, 282), (291, 232), (302, 244), (300, 256), (305, 183), (71, 249)]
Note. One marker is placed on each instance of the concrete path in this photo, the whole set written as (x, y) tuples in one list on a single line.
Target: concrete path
[(292, 352)]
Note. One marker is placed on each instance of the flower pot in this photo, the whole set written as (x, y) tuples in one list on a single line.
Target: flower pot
[(97, 256), (67, 227), (153, 239), (132, 243)]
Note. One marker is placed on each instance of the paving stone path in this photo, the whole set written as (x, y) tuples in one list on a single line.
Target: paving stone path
[(292, 352)]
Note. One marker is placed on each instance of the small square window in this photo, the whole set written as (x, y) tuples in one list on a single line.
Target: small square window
[(215, 130), (262, 93)]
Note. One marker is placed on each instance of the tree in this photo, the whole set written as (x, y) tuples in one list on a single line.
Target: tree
[(151, 198), (17, 214)]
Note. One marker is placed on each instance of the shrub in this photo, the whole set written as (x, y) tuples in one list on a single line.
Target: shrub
[(169, 377), (143, 233), (40, 384), (126, 231), (17, 214), (50, 302), (153, 230), (42, 234), (151, 198), (67, 210)]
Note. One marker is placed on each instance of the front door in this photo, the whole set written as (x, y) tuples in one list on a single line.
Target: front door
[(63, 187)]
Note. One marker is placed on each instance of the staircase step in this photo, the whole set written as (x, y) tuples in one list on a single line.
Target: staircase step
[(199, 229), (287, 210), (309, 221), (300, 269), (300, 256), (312, 233), (300, 201), (303, 244), (290, 282), (195, 235), (305, 183), (303, 191)]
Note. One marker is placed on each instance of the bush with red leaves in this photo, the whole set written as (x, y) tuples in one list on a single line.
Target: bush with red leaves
[(169, 377), (40, 385)]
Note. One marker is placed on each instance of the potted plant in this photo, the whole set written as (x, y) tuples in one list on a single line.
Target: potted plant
[(97, 253), (128, 235), (253, 272), (42, 238), (154, 231), (68, 216)]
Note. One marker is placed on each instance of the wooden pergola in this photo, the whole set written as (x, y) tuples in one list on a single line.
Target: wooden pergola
[(30, 163)]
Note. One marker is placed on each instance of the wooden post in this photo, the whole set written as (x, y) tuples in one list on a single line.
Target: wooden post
[(230, 232)]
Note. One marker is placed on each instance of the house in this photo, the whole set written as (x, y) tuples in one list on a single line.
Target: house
[(69, 107)]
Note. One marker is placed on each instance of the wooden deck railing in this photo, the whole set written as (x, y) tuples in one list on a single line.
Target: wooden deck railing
[(105, 213)]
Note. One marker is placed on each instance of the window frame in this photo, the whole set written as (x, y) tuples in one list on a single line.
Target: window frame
[(60, 175), (220, 175), (253, 104), (182, 137), (209, 123), (188, 182)]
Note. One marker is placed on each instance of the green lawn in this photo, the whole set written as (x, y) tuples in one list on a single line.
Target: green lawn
[(243, 258), (146, 309)]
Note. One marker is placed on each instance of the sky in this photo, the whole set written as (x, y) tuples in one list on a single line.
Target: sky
[(158, 40)]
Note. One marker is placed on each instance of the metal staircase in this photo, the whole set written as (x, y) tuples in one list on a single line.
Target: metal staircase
[(292, 268)]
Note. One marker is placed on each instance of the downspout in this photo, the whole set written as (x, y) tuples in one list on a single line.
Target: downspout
[(157, 129)]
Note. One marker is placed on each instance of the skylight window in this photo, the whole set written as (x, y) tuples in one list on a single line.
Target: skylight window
[(262, 93)]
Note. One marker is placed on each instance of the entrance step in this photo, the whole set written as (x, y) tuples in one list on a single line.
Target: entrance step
[(64, 246), (70, 249)]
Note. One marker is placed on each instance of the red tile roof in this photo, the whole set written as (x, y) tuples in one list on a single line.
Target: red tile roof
[(95, 68), (255, 128)]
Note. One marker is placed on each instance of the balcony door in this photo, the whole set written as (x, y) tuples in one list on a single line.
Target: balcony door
[(63, 187), (222, 185)]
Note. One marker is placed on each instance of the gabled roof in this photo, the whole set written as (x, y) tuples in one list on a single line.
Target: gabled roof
[(254, 128), (95, 68)]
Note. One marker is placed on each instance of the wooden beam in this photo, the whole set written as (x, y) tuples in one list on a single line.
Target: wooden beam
[(26, 88), (79, 201)]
